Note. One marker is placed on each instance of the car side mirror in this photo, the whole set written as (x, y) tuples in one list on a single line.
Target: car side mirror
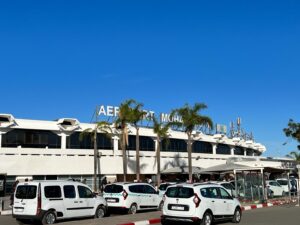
[(157, 192)]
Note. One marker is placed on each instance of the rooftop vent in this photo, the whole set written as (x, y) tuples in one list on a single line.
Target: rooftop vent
[(68, 124), (6, 120)]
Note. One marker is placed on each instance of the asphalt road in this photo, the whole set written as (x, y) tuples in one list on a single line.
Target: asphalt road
[(278, 215)]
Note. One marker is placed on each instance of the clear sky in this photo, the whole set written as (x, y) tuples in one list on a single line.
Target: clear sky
[(241, 58)]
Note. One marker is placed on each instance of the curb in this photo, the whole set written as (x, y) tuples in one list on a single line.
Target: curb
[(244, 208), (5, 212)]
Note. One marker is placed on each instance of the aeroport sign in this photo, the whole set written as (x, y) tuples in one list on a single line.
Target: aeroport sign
[(113, 111)]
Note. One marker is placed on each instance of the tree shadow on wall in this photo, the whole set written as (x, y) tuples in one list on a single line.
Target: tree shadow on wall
[(131, 162), (176, 162)]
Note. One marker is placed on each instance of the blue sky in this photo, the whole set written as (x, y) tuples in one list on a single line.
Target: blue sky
[(241, 58)]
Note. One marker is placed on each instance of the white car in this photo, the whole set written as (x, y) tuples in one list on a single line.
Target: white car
[(131, 196), (275, 188), (284, 183), (228, 186), (48, 201), (204, 203)]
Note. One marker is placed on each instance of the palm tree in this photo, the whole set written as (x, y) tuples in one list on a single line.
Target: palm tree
[(294, 155), (161, 131), (102, 127), (137, 114), (121, 123), (190, 120)]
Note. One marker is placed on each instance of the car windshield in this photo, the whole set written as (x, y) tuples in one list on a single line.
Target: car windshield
[(163, 187), (179, 192), (227, 186), (282, 182), (26, 192), (113, 188)]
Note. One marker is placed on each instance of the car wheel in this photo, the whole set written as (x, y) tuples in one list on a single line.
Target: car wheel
[(207, 219), (49, 218), (161, 205), (237, 216), (133, 209), (100, 212)]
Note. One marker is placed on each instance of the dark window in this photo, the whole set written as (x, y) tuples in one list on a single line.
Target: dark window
[(4, 119), (202, 147), (52, 191), (69, 191), (257, 153), (85, 142), (149, 190), (174, 145), (26, 192), (84, 192), (238, 151), (31, 139), (136, 189), (113, 188), (211, 192), (180, 192), (224, 194), (228, 186), (249, 152), (223, 149), (146, 143)]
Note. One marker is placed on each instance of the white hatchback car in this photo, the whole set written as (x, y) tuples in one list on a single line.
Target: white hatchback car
[(131, 196), (202, 203), (275, 188), (48, 201)]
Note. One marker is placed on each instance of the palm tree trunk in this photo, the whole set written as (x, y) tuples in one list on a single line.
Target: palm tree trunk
[(190, 158), (95, 160), (158, 161), (137, 143), (124, 156)]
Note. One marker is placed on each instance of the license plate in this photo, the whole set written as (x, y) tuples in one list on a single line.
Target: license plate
[(111, 200), (178, 207)]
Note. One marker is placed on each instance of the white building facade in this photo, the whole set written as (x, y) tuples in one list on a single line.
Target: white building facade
[(53, 150)]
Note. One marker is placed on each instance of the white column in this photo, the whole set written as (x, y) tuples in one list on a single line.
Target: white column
[(231, 150), (115, 143), (63, 141), (245, 151), (0, 139), (214, 148)]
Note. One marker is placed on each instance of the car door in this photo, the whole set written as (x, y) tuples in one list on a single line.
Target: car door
[(227, 202), (151, 196), (70, 201), (215, 198), (274, 188), (86, 199)]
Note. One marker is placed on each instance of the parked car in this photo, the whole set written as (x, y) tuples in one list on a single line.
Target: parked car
[(275, 187), (49, 201), (284, 183), (229, 187), (131, 196), (204, 203), (163, 187)]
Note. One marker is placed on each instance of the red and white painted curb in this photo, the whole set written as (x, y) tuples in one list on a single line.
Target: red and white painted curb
[(244, 208)]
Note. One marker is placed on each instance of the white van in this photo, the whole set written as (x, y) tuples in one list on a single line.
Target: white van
[(131, 196), (48, 201), (199, 203)]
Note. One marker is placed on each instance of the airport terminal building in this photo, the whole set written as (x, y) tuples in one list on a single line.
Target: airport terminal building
[(53, 150)]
